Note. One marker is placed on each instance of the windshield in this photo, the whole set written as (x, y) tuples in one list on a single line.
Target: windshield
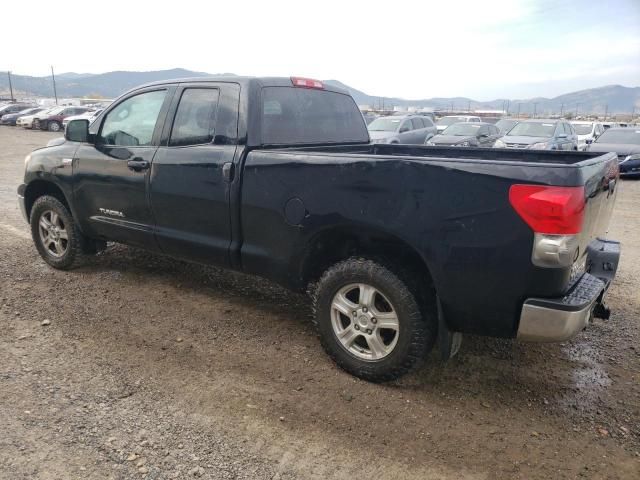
[(462, 130), (386, 124), (54, 111), (533, 129), (446, 121), (505, 125), (629, 136)]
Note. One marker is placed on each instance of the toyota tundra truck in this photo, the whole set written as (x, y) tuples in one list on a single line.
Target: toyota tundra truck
[(400, 247)]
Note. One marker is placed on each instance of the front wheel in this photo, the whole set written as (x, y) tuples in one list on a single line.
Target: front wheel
[(54, 126), (55, 233), (369, 321)]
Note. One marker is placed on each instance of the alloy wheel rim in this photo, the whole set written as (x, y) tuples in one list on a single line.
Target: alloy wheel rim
[(364, 321), (53, 233)]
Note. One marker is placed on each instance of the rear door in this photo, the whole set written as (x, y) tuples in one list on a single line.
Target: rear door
[(192, 171), (111, 174)]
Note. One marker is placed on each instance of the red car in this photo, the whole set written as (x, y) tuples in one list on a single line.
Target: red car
[(53, 123)]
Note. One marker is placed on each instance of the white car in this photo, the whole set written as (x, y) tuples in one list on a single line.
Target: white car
[(91, 116), (28, 120), (587, 133), (444, 122)]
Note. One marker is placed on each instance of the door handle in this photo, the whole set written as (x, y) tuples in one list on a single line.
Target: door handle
[(138, 165), (228, 171)]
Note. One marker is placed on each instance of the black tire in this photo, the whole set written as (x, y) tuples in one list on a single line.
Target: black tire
[(76, 243), (417, 327), (35, 124), (54, 126)]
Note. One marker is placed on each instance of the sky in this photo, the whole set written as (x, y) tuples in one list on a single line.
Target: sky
[(409, 49)]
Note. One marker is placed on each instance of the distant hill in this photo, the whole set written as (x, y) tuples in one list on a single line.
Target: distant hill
[(614, 98)]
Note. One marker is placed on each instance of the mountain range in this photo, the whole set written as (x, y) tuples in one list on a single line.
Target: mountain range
[(609, 98)]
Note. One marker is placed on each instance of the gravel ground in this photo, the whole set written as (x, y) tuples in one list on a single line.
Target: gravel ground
[(139, 366)]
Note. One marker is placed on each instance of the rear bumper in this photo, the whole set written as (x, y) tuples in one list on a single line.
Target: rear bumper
[(559, 319)]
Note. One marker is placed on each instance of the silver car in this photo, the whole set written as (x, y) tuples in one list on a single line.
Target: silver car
[(411, 129)]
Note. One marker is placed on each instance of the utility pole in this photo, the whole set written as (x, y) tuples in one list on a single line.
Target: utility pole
[(577, 104), (535, 109), (11, 87), (561, 110), (518, 116), (469, 106), (606, 110), (55, 92)]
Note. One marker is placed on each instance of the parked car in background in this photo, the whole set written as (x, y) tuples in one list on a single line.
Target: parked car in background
[(506, 124), (469, 134), (90, 115), (53, 121), (28, 121), (411, 129), (10, 108), (587, 133), (625, 142), (11, 118), (630, 166), (540, 135), (444, 122), (608, 125)]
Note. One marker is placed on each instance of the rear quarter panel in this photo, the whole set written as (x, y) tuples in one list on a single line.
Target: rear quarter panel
[(454, 213)]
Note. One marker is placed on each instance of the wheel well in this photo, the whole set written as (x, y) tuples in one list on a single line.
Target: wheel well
[(339, 244), (37, 189)]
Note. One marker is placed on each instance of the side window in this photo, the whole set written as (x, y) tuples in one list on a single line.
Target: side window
[(483, 130), (427, 122), (195, 117), (132, 122), (405, 126), (417, 123)]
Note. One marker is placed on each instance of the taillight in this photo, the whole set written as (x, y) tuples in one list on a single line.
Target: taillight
[(549, 210), (306, 83)]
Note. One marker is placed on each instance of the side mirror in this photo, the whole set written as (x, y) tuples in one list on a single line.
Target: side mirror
[(562, 135), (77, 131), (403, 129), (483, 135)]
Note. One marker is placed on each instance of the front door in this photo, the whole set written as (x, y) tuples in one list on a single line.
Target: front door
[(111, 174)]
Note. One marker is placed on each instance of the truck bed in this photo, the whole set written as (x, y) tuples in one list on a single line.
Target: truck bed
[(451, 204)]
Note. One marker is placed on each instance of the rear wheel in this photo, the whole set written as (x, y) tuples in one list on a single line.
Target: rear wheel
[(369, 322)]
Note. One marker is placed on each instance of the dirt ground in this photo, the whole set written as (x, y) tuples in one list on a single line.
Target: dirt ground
[(151, 368)]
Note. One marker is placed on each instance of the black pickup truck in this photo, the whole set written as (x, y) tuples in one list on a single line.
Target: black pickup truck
[(399, 246)]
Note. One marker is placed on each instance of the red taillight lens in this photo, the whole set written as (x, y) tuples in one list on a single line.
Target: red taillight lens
[(551, 210), (306, 83)]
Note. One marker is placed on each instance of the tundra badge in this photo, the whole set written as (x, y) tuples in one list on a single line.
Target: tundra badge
[(113, 213)]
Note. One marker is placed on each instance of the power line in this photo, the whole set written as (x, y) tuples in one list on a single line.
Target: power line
[(10, 86), (55, 92)]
